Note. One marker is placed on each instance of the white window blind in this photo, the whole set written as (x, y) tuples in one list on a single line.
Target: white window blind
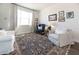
[(24, 17)]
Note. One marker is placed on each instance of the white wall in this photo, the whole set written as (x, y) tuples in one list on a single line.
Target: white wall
[(7, 16), (69, 23), (23, 29), (4, 16)]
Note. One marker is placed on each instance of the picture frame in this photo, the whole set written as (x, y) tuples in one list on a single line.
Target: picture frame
[(61, 17), (52, 17), (70, 14)]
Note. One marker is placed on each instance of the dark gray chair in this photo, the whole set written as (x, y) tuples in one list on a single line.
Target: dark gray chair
[(40, 28)]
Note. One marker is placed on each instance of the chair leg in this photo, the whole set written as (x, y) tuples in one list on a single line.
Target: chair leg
[(54, 50), (17, 49), (50, 52), (68, 49)]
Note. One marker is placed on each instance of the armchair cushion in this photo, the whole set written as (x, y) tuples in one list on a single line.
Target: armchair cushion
[(60, 31), (6, 43)]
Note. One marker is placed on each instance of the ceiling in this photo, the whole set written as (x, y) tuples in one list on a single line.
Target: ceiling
[(35, 6)]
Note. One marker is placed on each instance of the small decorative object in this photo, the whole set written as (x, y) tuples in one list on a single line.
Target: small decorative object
[(70, 14), (61, 16), (52, 17), (36, 19)]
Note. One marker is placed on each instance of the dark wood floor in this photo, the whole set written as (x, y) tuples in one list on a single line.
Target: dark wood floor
[(74, 50)]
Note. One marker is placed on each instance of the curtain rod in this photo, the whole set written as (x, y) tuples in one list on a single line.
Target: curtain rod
[(23, 7)]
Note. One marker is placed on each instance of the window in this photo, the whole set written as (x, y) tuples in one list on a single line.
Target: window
[(24, 17)]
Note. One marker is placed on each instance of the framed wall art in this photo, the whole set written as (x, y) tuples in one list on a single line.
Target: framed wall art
[(61, 17), (52, 17), (70, 15)]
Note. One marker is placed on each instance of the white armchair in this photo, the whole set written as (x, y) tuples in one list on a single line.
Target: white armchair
[(7, 39), (61, 38)]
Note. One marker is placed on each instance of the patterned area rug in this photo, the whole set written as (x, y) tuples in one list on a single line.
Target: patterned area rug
[(36, 44)]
